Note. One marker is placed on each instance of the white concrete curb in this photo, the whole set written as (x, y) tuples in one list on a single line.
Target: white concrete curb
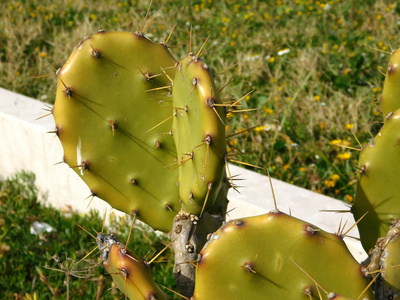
[(25, 144)]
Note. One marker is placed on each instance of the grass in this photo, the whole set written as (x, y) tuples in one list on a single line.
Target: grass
[(314, 69), (41, 265)]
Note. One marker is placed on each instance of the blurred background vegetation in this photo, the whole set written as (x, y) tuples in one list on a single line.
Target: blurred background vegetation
[(314, 69)]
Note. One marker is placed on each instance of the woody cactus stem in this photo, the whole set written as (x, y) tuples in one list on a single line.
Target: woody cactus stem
[(189, 234)]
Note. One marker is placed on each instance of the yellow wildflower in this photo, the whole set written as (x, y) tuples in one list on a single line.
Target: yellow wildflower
[(335, 177), (344, 156), (349, 126), (268, 110), (329, 183), (259, 129), (317, 97), (336, 142), (42, 54), (349, 198)]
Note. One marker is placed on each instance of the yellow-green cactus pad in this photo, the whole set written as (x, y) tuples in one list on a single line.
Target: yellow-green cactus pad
[(276, 256), (112, 90), (199, 134)]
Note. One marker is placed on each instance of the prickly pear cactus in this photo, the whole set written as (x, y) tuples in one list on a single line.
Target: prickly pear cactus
[(129, 272), (199, 134), (112, 93), (390, 99), (378, 189), (385, 264), (275, 256)]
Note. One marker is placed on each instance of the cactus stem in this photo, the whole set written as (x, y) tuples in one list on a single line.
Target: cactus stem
[(162, 122)]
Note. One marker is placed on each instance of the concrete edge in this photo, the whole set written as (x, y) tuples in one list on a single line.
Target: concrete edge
[(27, 145)]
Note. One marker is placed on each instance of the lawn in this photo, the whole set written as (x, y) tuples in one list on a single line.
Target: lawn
[(314, 70), (43, 263)]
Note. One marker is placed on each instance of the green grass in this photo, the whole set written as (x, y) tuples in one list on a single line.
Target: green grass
[(309, 98), (40, 264)]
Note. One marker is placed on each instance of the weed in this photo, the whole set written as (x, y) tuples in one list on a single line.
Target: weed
[(48, 264)]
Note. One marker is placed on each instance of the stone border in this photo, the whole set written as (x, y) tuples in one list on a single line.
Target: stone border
[(27, 145)]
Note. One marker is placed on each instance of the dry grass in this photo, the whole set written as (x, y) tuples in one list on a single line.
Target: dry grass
[(318, 92)]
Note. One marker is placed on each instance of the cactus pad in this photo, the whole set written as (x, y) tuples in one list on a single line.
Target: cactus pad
[(129, 272), (199, 134), (390, 99), (378, 189), (110, 94), (276, 256)]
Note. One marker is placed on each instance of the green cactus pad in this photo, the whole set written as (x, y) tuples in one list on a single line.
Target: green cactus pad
[(390, 99), (388, 249), (130, 273), (378, 188), (199, 134), (110, 94), (276, 256), (391, 263)]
